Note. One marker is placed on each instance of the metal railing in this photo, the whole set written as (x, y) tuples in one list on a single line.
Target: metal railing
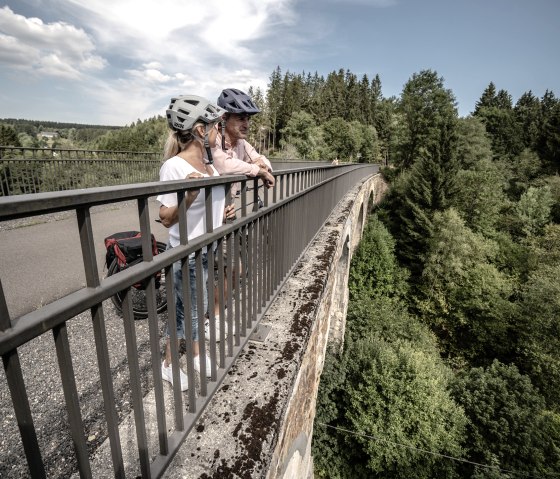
[(262, 245), (38, 170)]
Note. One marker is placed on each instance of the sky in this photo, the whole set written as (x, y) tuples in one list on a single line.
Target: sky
[(112, 62)]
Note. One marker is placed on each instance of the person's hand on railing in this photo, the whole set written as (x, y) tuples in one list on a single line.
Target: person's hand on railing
[(266, 177), (229, 213), (192, 194)]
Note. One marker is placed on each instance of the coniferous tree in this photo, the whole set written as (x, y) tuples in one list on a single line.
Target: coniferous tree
[(527, 114), (365, 103), (352, 110), (549, 142), (274, 100), (487, 100), (501, 125), (427, 109), (333, 96), (431, 184)]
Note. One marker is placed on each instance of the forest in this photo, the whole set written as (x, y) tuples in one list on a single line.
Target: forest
[(450, 364)]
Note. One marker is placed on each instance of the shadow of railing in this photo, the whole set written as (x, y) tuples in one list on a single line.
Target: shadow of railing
[(261, 245)]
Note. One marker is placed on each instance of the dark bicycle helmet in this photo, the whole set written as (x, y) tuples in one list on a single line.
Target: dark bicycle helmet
[(236, 101), (184, 111)]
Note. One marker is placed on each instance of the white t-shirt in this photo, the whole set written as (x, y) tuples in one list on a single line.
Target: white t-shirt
[(177, 168)]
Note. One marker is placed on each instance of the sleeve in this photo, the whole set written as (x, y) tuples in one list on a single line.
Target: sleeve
[(168, 173), (253, 155), (227, 164)]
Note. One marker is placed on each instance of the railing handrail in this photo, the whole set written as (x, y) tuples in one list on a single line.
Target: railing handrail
[(84, 150)]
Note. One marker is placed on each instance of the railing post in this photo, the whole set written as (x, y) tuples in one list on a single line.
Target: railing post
[(100, 334)]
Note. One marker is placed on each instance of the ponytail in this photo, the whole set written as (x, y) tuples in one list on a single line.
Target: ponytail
[(176, 142)]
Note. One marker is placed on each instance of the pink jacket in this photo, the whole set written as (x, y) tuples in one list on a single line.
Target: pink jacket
[(237, 160)]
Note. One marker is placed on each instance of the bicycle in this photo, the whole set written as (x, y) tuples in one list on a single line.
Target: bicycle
[(124, 250)]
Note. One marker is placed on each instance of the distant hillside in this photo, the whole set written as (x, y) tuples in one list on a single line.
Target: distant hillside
[(20, 124)]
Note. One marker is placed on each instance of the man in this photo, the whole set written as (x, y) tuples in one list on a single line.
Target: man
[(238, 157)]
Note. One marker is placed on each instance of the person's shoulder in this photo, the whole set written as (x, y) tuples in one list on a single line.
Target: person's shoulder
[(176, 166)]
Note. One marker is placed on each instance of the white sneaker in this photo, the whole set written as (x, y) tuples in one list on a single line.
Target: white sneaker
[(167, 375), (196, 360)]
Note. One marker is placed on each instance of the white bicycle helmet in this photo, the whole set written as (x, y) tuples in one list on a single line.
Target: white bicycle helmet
[(184, 111)]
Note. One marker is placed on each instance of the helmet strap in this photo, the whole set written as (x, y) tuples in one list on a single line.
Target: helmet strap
[(207, 146), (223, 133)]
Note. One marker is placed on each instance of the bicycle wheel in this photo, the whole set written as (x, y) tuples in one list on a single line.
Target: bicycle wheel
[(139, 304)]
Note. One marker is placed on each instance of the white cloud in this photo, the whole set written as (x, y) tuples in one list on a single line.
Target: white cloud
[(55, 49), (131, 56), (367, 3), (149, 75)]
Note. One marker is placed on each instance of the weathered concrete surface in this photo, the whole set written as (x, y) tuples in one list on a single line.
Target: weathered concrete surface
[(261, 421)]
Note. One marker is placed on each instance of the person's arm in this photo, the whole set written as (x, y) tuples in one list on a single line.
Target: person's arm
[(254, 157), (169, 215), (227, 164)]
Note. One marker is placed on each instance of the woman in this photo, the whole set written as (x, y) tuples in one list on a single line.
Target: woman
[(187, 153)]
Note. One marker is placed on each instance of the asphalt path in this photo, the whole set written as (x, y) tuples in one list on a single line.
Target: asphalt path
[(41, 259)]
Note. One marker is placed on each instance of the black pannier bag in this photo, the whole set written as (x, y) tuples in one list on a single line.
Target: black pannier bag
[(126, 248)]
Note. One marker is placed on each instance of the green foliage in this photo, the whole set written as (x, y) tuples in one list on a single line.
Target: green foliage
[(369, 151), (463, 296), (341, 139), (332, 450), (430, 187), (387, 392), (389, 388), (525, 167), (397, 395), (553, 183), (487, 99), (473, 144), (480, 196), (548, 145), (428, 110), (503, 130), (507, 421), (387, 318), (528, 116), (533, 210), (539, 328), (374, 270), (302, 133), (8, 136), (149, 135)]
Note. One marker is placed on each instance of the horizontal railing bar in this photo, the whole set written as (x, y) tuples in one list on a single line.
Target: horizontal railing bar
[(79, 160), (77, 150), (19, 206)]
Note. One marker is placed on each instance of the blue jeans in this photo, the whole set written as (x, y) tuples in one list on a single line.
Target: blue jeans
[(178, 294)]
